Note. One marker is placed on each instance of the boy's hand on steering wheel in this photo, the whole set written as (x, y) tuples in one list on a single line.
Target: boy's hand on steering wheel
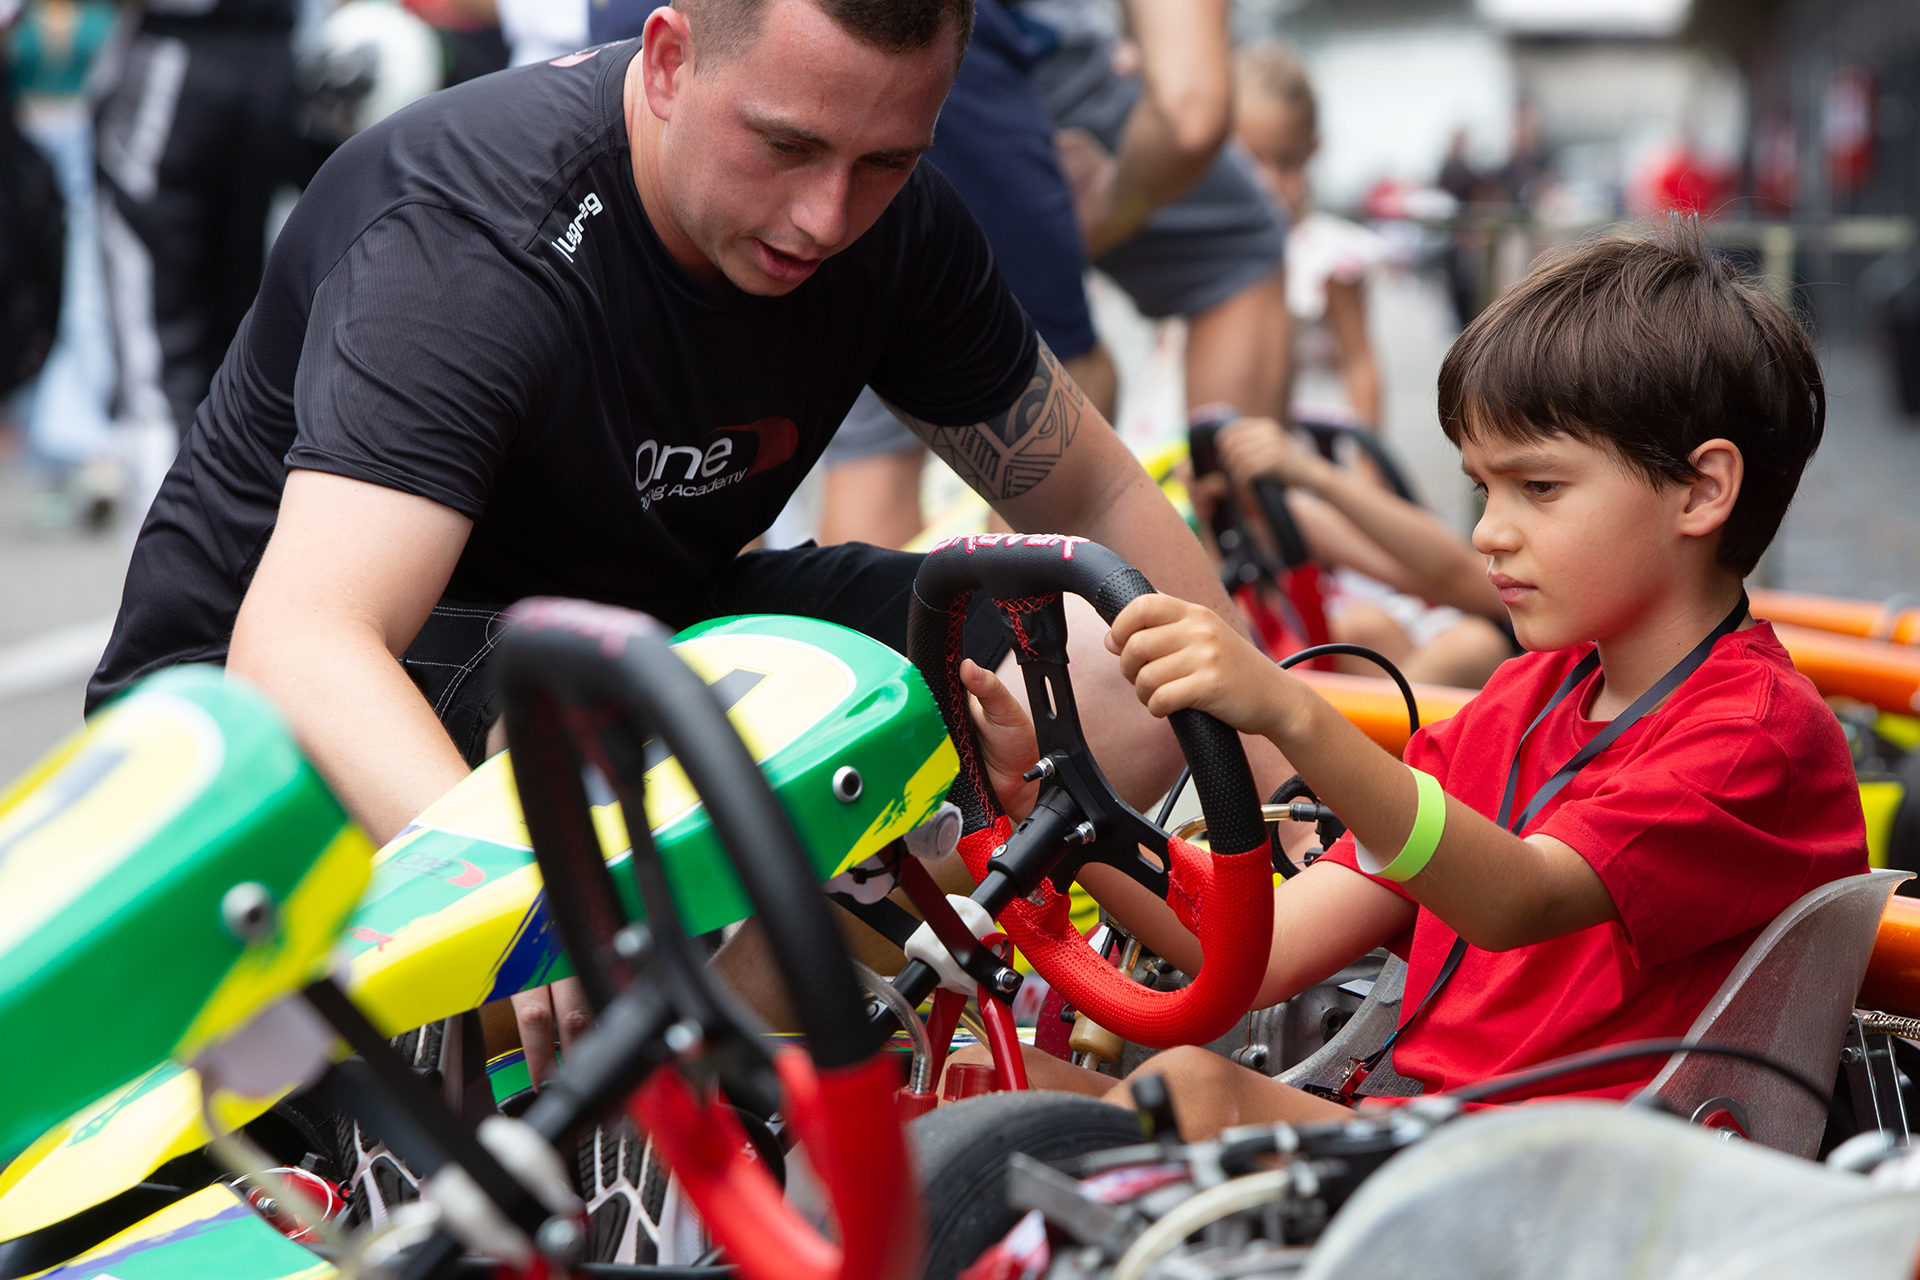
[(539, 1013), (1181, 655), (1008, 747)]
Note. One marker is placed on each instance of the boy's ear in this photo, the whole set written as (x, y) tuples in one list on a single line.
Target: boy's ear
[(1719, 469)]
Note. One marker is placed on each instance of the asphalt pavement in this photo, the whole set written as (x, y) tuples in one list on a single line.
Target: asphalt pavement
[(1854, 531)]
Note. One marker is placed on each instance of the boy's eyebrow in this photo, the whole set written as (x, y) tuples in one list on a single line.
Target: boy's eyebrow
[(787, 129), (1519, 462)]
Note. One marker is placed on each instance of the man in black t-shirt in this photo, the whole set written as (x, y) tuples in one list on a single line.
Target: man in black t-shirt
[(580, 328)]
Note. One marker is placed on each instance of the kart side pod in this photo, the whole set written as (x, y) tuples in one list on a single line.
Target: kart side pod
[(174, 865)]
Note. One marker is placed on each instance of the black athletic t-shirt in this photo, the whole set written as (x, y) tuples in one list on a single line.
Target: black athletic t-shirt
[(469, 304)]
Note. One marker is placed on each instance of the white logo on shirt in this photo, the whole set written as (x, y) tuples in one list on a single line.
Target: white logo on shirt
[(569, 240)]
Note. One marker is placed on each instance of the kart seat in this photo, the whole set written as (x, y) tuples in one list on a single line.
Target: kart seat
[(1364, 1032), (1789, 997)]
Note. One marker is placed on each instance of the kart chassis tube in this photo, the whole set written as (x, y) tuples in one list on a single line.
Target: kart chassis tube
[(588, 683), (1078, 817)]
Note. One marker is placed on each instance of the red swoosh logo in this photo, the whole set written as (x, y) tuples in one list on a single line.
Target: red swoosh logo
[(779, 440), (468, 878)]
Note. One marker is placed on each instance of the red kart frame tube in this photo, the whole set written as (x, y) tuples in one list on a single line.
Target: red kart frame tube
[(860, 1155)]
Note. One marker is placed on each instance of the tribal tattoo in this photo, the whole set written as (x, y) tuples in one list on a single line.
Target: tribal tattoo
[(1005, 456)]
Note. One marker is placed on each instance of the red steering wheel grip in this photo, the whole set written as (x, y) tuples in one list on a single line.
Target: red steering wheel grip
[(845, 1116), (1226, 899)]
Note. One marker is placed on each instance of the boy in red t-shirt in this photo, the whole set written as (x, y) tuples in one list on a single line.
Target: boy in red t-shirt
[(1638, 418)]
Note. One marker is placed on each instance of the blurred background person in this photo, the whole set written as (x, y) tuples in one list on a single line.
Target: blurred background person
[(1168, 203), (197, 127), (1333, 375), (536, 30), (1404, 584), (50, 49), (995, 145)]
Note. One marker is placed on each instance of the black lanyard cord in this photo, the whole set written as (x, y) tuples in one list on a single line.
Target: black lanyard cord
[(1646, 702)]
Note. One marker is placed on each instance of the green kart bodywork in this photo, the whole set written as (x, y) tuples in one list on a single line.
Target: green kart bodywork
[(454, 915)]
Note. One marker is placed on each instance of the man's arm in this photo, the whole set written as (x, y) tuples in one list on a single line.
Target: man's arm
[(1051, 464), (349, 576), (1183, 116)]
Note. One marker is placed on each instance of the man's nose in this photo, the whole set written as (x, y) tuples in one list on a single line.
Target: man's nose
[(820, 212)]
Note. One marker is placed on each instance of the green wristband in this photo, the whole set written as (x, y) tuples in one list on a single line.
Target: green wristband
[(1429, 823)]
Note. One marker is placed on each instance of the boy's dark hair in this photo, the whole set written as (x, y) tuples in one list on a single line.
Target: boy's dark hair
[(1649, 345), (722, 28)]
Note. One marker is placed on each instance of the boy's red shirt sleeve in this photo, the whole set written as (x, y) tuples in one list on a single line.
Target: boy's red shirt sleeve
[(1704, 822)]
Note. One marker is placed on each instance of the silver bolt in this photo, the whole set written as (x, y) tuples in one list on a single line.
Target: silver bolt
[(685, 1037), (997, 852), (1042, 768), (1082, 834), (847, 784), (561, 1240), (267, 1206), (1005, 981), (247, 911)]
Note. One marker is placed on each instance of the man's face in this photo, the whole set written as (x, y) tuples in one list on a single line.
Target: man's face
[(778, 157)]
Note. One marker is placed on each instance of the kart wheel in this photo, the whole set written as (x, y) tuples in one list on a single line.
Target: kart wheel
[(961, 1154)]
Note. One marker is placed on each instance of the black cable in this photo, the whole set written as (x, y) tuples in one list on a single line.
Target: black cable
[(1294, 659), (1361, 651), (1173, 796), (1634, 1049)]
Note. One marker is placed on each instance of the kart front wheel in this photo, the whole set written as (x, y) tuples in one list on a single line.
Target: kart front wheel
[(961, 1154)]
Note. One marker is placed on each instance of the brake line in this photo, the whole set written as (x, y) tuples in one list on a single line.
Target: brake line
[(1200, 1211)]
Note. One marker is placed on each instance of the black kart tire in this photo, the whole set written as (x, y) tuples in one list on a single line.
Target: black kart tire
[(960, 1152)]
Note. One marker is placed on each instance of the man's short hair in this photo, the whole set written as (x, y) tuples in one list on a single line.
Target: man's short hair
[(722, 28), (1649, 345)]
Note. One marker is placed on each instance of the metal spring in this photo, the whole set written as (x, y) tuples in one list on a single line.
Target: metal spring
[(1888, 1024)]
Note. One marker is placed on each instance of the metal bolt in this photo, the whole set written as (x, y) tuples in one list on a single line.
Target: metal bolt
[(685, 1037), (561, 1240), (632, 942), (1005, 981), (997, 852), (267, 1206), (1253, 1057), (247, 911), (847, 784), (1082, 834), (1042, 768)]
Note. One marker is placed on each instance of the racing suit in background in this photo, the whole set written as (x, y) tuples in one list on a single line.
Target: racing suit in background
[(196, 128)]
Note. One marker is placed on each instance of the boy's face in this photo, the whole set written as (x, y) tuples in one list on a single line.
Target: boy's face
[(1579, 546)]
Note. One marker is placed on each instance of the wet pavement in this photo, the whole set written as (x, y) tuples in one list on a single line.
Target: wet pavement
[(1854, 531)]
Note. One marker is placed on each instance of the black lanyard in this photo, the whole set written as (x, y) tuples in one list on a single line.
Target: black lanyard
[(1646, 702)]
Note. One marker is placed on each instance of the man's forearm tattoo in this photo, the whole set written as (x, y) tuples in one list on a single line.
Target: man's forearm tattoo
[(1005, 456)]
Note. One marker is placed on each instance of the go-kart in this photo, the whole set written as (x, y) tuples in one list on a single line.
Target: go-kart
[(115, 1200), (455, 915), (201, 868)]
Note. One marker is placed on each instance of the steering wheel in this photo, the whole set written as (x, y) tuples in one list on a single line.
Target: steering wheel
[(1224, 896), (589, 684), (1244, 566)]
